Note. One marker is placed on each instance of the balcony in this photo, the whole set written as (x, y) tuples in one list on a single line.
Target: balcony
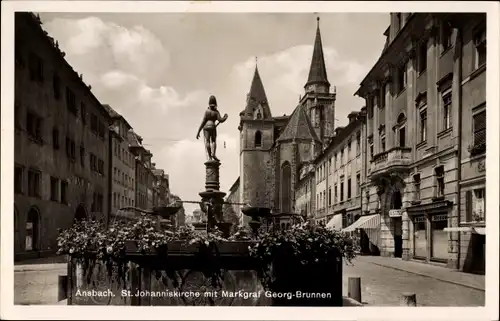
[(397, 159)]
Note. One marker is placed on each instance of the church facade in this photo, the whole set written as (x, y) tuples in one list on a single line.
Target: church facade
[(273, 149)]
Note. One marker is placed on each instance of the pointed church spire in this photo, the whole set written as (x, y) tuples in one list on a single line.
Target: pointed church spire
[(257, 96), (317, 72)]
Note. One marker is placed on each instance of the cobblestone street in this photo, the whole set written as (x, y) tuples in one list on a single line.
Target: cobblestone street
[(381, 285)]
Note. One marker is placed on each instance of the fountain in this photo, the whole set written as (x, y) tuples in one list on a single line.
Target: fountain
[(256, 214)]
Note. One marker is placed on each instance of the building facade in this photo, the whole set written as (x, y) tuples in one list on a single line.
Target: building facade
[(122, 166), (425, 100), (61, 143), (338, 175)]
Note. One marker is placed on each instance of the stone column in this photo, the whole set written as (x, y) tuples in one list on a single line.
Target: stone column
[(406, 236), (432, 92), (411, 112), (376, 124), (212, 199)]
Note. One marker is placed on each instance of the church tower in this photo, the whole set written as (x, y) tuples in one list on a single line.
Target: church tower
[(256, 141), (319, 101)]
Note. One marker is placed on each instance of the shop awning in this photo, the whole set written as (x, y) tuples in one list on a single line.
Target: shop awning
[(335, 223), (364, 222), (470, 229)]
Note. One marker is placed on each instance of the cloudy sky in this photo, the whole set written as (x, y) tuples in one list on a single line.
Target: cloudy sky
[(158, 71)]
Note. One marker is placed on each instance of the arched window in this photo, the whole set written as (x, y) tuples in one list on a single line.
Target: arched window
[(258, 139), (286, 187), (32, 230), (80, 214)]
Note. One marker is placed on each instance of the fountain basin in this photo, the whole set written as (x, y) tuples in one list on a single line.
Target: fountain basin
[(256, 212)]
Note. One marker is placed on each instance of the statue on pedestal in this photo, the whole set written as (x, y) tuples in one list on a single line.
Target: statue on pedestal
[(209, 126)]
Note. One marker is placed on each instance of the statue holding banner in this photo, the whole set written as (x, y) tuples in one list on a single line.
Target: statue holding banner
[(209, 126)]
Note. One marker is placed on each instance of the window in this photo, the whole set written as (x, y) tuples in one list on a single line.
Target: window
[(55, 138), (422, 57), (342, 191), (401, 77), (35, 68), (18, 179), (93, 162), (382, 96), (476, 205), (34, 183), (83, 112), (423, 125), (335, 195), (32, 230), (371, 150), (70, 101), (100, 166), (93, 123), (416, 184), (64, 192), (335, 161), (258, 139), (329, 196), (440, 181), (348, 149), (34, 126), (358, 144), (358, 184), (479, 124), (54, 189), (446, 33), (56, 83), (480, 52), (70, 148), (382, 143), (97, 202), (349, 189), (342, 157), (82, 155), (447, 111), (102, 131)]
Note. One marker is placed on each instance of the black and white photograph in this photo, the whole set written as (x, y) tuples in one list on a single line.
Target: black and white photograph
[(253, 155)]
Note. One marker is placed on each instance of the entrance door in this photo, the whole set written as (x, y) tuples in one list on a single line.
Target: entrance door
[(479, 255), (398, 237)]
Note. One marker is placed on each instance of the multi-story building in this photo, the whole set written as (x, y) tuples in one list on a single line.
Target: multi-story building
[(142, 160), (162, 189), (304, 194), (61, 143), (425, 100), (122, 167), (338, 175)]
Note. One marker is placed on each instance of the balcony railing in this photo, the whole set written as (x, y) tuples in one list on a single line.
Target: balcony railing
[(394, 159)]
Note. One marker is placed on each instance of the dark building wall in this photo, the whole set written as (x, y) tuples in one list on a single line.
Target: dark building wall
[(61, 142)]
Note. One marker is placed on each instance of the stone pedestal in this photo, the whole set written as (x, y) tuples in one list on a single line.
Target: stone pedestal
[(212, 199), (212, 181)]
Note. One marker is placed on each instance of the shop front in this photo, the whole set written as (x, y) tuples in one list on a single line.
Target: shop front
[(427, 234)]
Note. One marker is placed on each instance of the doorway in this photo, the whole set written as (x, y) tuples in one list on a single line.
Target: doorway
[(397, 203)]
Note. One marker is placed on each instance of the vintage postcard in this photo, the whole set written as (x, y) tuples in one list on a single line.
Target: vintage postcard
[(287, 158)]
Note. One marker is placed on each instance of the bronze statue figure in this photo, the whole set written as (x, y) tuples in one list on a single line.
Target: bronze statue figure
[(209, 126)]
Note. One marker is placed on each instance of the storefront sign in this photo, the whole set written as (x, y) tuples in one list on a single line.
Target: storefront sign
[(396, 213)]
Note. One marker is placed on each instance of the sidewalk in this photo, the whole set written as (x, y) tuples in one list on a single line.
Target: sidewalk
[(473, 281), (41, 264)]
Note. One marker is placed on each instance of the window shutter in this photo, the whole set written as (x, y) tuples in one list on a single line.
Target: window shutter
[(468, 206), (480, 128)]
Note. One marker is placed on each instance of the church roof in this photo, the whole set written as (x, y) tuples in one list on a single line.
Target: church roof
[(317, 72), (299, 127), (256, 96)]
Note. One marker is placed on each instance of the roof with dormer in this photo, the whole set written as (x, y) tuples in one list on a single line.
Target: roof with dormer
[(257, 96), (317, 71), (299, 127)]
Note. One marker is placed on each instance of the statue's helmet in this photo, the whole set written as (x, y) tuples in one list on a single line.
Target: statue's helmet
[(212, 101)]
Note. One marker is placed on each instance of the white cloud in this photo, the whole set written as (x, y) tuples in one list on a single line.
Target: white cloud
[(96, 46)]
